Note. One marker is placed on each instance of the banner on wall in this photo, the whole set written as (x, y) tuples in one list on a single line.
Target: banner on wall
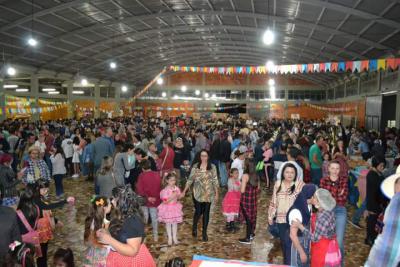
[(295, 116), (343, 66)]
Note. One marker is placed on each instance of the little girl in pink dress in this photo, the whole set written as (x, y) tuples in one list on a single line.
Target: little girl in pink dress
[(231, 202), (170, 210)]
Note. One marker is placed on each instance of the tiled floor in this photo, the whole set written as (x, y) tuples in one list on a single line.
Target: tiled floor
[(220, 244)]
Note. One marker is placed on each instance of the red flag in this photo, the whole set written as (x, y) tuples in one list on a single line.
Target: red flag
[(364, 65), (321, 67), (334, 66), (393, 63), (310, 67), (349, 65)]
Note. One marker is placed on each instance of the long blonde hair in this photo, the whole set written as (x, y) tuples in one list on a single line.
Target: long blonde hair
[(106, 165)]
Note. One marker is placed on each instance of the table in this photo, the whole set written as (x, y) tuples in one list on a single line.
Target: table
[(204, 261)]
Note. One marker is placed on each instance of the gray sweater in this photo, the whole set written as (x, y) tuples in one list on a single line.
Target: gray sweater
[(121, 164)]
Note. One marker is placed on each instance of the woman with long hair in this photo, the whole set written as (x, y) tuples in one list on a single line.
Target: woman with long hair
[(166, 158), (286, 189), (126, 232), (204, 179)]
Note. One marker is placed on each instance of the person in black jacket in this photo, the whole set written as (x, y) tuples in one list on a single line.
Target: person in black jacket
[(9, 181), (375, 199), (9, 230), (224, 158)]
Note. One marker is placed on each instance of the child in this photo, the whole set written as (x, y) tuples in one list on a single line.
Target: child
[(96, 253), (325, 164), (63, 258), (170, 210), (75, 157), (231, 202)]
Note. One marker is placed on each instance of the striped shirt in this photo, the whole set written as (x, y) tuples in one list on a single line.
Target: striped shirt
[(385, 251), (282, 201)]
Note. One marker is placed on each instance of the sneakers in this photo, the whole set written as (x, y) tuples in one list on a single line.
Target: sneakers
[(75, 176), (246, 241), (252, 236), (356, 225)]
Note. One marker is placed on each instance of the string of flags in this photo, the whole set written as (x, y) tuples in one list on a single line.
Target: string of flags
[(333, 109), (155, 108), (343, 66), (84, 109), (29, 110)]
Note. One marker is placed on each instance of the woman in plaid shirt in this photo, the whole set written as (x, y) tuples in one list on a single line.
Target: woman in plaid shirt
[(286, 189), (338, 186), (322, 226)]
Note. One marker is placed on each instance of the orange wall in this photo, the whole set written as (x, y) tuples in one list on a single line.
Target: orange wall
[(149, 109)]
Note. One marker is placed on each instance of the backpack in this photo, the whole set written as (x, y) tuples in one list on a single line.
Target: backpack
[(32, 237)]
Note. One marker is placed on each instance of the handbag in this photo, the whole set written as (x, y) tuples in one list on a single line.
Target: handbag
[(260, 166), (273, 229), (32, 237), (333, 256), (45, 227)]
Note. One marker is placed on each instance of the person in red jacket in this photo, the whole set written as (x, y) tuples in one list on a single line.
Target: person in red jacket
[(166, 158), (149, 186)]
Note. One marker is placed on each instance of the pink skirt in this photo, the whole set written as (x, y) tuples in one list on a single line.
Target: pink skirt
[(231, 203), (142, 259), (170, 213)]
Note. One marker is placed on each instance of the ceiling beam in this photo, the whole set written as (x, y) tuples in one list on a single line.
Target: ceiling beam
[(193, 45), (42, 13), (165, 30)]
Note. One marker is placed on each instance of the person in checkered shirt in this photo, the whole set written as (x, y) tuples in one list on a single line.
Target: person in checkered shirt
[(338, 186)]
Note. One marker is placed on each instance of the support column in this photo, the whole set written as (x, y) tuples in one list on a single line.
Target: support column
[(398, 101), (97, 101), (327, 94), (345, 89), (117, 100), (2, 101), (378, 82), (35, 95), (70, 100), (359, 86), (285, 115)]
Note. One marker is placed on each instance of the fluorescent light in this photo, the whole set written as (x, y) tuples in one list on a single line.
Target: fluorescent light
[(389, 92), (113, 65), (164, 94), (11, 71), (32, 42), (10, 86), (271, 82), (124, 88), (78, 92), (268, 37), (183, 88), (206, 95), (160, 81), (54, 93), (84, 82), (48, 89), (197, 92), (21, 90)]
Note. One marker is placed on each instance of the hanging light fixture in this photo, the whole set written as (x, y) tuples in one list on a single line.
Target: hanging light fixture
[(124, 88), (184, 88), (31, 40), (270, 65), (84, 82), (160, 81), (164, 94), (206, 95), (269, 35), (197, 92), (11, 71), (271, 82), (113, 65)]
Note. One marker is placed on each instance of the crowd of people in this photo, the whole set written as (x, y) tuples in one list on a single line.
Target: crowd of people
[(143, 168)]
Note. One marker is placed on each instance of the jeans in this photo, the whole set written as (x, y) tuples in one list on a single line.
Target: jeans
[(359, 213), (316, 175), (341, 219), (152, 211), (223, 173), (58, 181), (286, 243), (249, 225)]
